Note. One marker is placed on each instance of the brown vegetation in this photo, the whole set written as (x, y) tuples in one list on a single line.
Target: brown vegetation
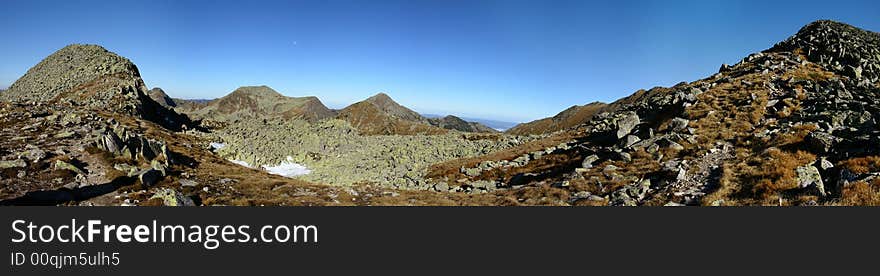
[(861, 194), (862, 164)]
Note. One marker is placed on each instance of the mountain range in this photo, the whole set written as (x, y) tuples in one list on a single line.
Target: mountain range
[(793, 125)]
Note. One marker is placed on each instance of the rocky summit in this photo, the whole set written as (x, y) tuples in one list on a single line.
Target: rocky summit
[(90, 76), (793, 125)]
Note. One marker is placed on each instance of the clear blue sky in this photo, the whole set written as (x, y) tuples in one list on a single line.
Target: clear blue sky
[(507, 59)]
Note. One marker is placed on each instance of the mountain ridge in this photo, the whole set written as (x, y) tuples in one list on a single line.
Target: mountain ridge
[(258, 102)]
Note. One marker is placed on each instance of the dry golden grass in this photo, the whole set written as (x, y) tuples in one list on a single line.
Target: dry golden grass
[(764, 168), (792, 138), (862, 164), (861, 194)]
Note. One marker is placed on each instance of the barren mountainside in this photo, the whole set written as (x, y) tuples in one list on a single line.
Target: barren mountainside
[(794, 125), (369, 119), (568, 118), (259, 102)]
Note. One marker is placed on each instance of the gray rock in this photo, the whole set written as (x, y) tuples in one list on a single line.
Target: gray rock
[(173, 198), (824, 164), (628, 141), (589, 160), (627, 123), (471, 171), (667, 143), (441, 187), (822, 142), (578, 196), (17, 163), (61, 165), (679, 124), (621, 197), (187, 183), (621, 156), (809, 176)]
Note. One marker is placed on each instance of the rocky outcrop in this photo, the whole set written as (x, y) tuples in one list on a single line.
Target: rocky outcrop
[(843, 49), (92, 77)]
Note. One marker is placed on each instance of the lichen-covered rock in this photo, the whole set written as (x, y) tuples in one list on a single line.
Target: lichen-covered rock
[(809, 176), (172, 197), (17, 163), (61, 165), (626, 123)]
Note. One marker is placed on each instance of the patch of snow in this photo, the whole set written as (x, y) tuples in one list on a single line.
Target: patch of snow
[(287, 168), (216, 146)]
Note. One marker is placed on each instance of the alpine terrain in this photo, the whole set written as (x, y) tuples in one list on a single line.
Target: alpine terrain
[(793, 125)]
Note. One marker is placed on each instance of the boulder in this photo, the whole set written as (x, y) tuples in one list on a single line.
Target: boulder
[(809, 176), (187, 183), (471, 171), (678, 124), (821, 142), (667, 143), (17, 163), (621, 156), (626, 123), (628, 141), (171, 197), (589, 160), (441, 187), (61, 165)]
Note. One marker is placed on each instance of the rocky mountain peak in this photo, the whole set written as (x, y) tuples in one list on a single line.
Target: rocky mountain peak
[(392, 108), (69, 68), (92, 77), (159, 95), (838, 47), (259, 91)]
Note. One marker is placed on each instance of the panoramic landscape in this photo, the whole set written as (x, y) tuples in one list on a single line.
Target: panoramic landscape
[(795, 124)]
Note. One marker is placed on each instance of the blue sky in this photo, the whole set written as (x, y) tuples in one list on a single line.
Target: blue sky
[(511, 60)]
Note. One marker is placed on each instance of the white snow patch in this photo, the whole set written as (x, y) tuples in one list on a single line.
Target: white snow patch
[(216, 146), (287, 168)]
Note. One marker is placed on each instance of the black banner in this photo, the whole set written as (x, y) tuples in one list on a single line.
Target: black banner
[(418, 240)]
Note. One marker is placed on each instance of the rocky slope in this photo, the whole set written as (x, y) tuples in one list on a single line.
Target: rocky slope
[(82, 149), (336, 154), (380, 115), (258, 102), (793, 125), (568, 118), (91, 76)]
